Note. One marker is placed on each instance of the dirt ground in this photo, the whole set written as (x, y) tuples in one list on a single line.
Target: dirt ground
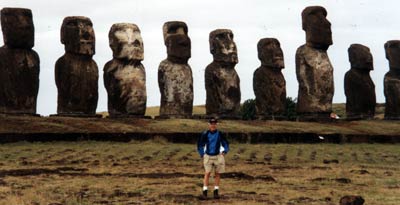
[(157, 172)]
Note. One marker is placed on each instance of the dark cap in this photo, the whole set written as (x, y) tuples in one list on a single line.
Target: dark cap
[(213, 120)]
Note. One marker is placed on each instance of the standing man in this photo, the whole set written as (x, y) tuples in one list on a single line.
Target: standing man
[(209, 148)]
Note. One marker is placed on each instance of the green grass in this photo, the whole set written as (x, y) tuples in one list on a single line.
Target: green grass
[(123, 173)]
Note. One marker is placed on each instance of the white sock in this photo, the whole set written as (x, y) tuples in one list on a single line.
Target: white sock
[(216, 187), (205, 188)]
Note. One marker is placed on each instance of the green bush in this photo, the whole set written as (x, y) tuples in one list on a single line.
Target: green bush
[(290, 108), (248, 109)]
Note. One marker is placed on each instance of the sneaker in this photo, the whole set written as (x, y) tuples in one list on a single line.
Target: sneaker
[(205, 193), (216, 196)]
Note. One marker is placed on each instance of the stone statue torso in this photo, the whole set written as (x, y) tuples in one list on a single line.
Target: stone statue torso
[(269, 87), (176, 88), (392, 94), (223, 90), (126, 86), (19, 80), (360, 94), (77, 83), (315, 76)]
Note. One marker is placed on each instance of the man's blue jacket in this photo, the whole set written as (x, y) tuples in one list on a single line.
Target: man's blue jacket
[(212, 141)]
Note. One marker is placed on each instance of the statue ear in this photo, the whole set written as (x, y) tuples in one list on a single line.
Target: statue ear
[(62, 34), (386, 50), (169, 42), (212, 47)]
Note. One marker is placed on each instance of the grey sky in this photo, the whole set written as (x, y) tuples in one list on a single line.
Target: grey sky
[(367, 22)]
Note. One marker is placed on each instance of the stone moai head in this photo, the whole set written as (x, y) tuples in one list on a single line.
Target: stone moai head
[(126, 42), (17, 27), (392, 50), (360, 57), (222, 46), (77, 35), (173, 28), (317, 27), (270, 53), (177, 41), (178, 48)]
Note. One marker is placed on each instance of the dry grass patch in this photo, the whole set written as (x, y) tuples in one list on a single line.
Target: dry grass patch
[(163, 173)]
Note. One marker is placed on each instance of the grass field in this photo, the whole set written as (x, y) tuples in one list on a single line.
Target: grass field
[(156, 172)]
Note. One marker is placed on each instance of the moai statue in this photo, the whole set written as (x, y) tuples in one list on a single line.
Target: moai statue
[(19, 64), (124, 75), (358, 85), (76, 73), (221, 80), (175, 78), (269, 85), (313, 68), (392, 81)]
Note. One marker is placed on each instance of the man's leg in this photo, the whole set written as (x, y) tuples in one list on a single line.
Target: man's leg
[(220, 168), (217, 177), (207, 173), (205, 183), (206, 178)]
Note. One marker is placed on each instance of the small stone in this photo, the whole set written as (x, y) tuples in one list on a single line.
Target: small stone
[(268, 157), (351, 200)]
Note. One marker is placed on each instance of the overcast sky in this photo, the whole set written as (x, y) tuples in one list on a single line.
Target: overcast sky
[(368, 22)]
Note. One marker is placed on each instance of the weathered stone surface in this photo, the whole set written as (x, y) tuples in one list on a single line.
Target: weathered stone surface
[(19, 64), (17, 27), (313, 68), (174, 27), (175, 79), (392, 81), (221, 80), (358, 85), (124, 75), (76, 73), (351, 200), (269, 84)]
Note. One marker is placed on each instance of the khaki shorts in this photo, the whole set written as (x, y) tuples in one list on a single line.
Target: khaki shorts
[(214, 163)]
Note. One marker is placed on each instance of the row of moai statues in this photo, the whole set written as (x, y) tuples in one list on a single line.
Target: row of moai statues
[(76, 73)]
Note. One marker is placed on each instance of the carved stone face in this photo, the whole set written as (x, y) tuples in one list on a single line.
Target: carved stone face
[(178, 48), (126, 42), (270, 53), (360, 57), (317, 27), (17, 27), (222, 46), (77, 35), (174, 27), (392, 50)]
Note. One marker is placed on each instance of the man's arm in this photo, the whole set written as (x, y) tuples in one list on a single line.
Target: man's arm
[(201, 143), (224, 143)]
